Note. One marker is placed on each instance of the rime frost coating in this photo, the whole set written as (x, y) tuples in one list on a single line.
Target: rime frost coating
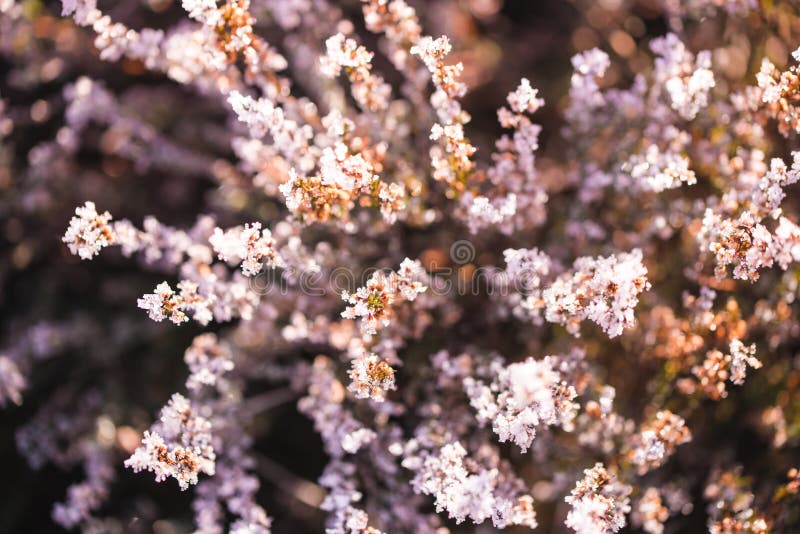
[(177, 446), (682, 153), (599, 503), (88, 232), (522, 397)]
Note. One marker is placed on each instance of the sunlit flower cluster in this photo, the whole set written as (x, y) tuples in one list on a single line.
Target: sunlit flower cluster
[(524, 396), (373, 304), (89, 232), (178, 446), (599, 503)]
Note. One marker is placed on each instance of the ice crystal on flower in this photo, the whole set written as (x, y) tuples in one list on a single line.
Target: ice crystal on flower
[(658, 171), (251, 246), (741, 357), (343, 180), (88, 232), (465, 494), (370, 377), (450, 128), (369, 90), (687, 79), (599, 503), (373, 304), (177, 446), (718, 368), (745, 241), (523, 397), (524, 99), (603, 290), (165, 303), (779, 93)]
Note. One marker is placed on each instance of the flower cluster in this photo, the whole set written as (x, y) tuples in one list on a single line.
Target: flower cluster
[(263, 117), (686, 79), (369, 90), (599, 502), (658, 440), (744, 241), (252, 247), (208, 360), (474, 494), (373, 304), (522, 397), (85, 497), (718, 368), (341, 432), (454, 163), (514, 170), (602, 290), (343, 180), (780, 93), (177, 446), (649, 513), (89, 232), (165, 303), (731, 504), (398, 21), (371, 377)]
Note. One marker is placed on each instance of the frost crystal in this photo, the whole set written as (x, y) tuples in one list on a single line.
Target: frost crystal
[(164, 303), (659, 439), (371, 377), (599, 503), (688, 80), (522, 397), (88, 232), (373, 304), (252, 247), (369, 90), (474, 495), (178, 446), (603, 290)]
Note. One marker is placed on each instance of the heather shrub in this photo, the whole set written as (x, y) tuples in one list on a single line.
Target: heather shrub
[(392, 266)]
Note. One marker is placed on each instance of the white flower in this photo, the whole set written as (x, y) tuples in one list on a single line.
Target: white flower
[(88, 232), (177, 446), (522, 397)]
